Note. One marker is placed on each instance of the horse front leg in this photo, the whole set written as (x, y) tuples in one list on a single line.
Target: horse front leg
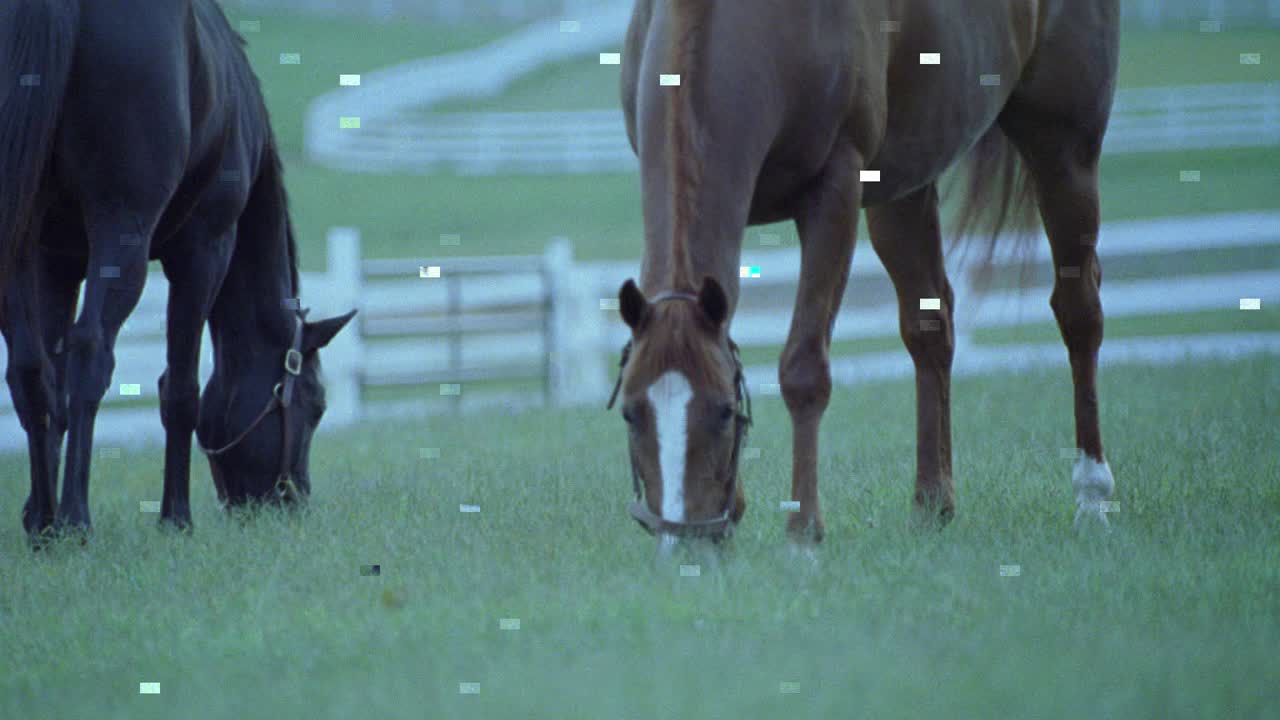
[(195, 274), (828, 225)]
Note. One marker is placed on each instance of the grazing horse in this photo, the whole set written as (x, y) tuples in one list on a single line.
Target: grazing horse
[(745, 112), (129, 131)]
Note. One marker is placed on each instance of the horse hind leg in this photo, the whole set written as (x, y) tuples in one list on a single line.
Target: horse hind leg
[(1063, 159), (907, 237), (40, 306)]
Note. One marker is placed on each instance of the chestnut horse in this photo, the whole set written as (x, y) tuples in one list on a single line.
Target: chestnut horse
[(746, 112)]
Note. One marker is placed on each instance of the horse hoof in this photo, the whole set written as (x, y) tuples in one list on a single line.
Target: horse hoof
[(41, 538), (805, 531), (176, 525), (803, 555), (1090, 515)]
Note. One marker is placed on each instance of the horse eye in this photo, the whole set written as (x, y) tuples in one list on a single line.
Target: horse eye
[(726, 413)]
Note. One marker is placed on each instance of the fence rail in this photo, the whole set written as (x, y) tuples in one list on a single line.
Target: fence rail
[(408, 139), (1145, 120), (454, 328)]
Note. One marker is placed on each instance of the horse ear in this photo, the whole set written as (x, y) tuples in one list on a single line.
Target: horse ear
[(316, 335), (632, 304), (713, 301)]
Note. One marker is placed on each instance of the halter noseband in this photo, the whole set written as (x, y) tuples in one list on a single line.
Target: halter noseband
[(720, 526), (281, 398)]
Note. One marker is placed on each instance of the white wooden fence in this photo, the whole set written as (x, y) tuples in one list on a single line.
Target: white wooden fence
[(1165, 119), (386, 98), (432, 327)]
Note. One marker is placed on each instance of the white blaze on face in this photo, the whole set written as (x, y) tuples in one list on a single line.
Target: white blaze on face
[(670, 395)]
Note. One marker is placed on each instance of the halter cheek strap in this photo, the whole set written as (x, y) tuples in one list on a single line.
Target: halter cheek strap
[(281, 398)]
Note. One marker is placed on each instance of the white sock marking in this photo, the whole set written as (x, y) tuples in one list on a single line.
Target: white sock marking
[(670, 395), (1093, 483)]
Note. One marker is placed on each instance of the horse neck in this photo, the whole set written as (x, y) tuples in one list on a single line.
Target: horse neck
[(254, 314), (710, 241)]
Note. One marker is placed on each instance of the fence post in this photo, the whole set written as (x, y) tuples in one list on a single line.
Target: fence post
[(557, 266), (344, 357), (577, 372)]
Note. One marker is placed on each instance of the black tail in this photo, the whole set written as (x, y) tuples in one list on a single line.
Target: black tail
[(37, 41)]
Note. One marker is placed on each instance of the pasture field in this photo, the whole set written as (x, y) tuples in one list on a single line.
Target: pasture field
[(1173, 614)]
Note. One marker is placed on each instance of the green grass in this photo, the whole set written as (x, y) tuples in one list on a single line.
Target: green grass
[(1198, 323), (1171, 615)]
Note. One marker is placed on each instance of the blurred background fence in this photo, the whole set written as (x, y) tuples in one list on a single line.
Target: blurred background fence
[(1136, 13), (438, 327)]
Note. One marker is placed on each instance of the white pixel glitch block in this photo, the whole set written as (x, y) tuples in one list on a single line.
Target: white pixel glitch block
[(508, 623), (1010, 570), (1250, 58), (789, 506), (930, 303), (131, 389), (669, 80), (610, 58), (349, 80), (429, 271), (930, 58), (290, 58), (469, 508), (149, 506), (1250, 303), (466, 688), (149, 688), (869, 175)]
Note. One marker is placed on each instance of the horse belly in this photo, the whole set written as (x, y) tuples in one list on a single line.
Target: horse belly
[(937, 112)]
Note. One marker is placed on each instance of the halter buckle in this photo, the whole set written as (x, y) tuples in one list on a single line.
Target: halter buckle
[(293, 362)]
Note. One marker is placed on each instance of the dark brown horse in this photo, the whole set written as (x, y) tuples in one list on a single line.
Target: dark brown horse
[(130, 131), (782, 110)]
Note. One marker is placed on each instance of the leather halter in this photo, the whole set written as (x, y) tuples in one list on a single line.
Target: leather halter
[(720, 526), (281, 398)]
